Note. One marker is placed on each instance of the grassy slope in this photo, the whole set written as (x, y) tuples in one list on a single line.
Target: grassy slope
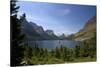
[(53, 60)]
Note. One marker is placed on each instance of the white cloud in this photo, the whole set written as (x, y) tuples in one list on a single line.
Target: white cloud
[(66, 11)]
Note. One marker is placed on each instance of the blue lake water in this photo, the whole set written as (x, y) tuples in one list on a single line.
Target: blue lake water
[(51, 44)]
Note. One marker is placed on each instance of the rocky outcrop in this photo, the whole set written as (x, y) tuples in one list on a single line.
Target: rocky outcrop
[(49, 32), (87, 31)]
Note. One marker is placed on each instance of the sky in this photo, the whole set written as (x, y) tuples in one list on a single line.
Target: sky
[(61, 18)]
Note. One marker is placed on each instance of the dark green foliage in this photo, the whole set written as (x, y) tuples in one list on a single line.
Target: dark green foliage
[(43, 56), (60, 54), (13, 7), (89, 48), (23, 54), (57, 52), (64, 53), (16, 35), (77, 51), (36, 55)]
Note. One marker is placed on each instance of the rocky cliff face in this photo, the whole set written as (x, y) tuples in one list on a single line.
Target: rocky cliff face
[(34, 31), (49, 32), (87, 31), (37, 28)]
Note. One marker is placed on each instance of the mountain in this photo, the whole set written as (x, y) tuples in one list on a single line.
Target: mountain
[(29, 30), (62, 36), (36, 32), (87, 31), (51, 34), (37, 28)]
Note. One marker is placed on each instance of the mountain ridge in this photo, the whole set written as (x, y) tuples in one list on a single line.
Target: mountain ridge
[(35, 32), (87, 31)]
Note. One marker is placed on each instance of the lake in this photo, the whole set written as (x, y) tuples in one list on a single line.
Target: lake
[(51, 44)]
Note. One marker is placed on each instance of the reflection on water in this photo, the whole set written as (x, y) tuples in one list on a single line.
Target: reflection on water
[(51, 44)]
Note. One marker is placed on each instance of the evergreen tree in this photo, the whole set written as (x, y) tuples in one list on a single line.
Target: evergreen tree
[(57, 53), (67, 54), (77, 51), (16, 36)]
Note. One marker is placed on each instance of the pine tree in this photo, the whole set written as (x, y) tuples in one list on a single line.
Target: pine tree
[(77, 51), (16, 36)]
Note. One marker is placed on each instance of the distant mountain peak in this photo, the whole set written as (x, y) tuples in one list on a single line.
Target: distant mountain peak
[(49, 32)]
